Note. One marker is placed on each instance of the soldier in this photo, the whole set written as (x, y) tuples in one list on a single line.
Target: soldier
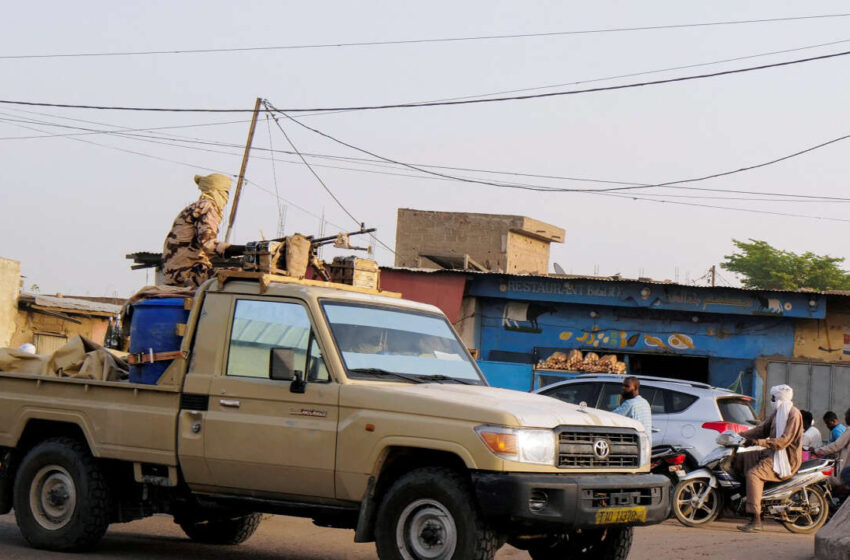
[(192, 239)]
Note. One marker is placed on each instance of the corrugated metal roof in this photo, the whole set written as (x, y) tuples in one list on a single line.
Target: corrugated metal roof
[(840, 293), (72, 304)]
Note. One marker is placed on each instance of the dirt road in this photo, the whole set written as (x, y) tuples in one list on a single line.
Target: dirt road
[(298, 539)]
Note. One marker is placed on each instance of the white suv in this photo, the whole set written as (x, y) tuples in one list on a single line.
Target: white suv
[(684, 413)]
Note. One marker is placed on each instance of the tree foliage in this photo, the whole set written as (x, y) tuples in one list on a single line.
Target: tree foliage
[(764, 266)]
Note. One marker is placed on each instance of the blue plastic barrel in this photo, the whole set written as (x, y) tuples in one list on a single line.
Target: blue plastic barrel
[(153, 325)]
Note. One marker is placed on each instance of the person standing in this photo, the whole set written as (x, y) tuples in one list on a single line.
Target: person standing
[(782, 434), (812, 438), (836, 428), (633, 405), (192, 240)]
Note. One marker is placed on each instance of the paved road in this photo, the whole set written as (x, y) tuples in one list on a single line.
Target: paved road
[(288, 538)]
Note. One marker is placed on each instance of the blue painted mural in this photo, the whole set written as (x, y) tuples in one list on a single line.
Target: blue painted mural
[(608, 329)]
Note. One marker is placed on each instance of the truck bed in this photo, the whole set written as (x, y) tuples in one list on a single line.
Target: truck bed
[(120, 420)]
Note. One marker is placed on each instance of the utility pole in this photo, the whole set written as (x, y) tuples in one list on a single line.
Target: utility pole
[(241, 178), (713, 271)]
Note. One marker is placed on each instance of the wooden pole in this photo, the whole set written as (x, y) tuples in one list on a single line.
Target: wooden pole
[(241, 178)]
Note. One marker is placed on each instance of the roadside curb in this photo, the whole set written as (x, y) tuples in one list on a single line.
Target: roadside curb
[(832, 542)]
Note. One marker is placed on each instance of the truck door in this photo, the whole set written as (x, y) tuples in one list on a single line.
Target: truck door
[(259, 436)]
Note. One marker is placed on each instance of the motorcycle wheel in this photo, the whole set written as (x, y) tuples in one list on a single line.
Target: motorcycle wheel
[(686, 500), (811, 520)]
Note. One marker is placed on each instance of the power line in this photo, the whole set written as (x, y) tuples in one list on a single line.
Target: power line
[(414, 105), (470, 38)]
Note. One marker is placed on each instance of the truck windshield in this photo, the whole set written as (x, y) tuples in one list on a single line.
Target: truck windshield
[(372, 338)]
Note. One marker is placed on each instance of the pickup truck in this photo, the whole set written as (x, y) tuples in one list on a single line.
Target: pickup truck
[(348, 406)]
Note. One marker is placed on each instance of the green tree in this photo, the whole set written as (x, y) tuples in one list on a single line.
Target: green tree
[(764, 266)]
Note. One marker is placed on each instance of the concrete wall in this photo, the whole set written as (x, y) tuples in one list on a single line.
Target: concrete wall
[(526, 254), (10, 283), (498, 242), (825, 339)]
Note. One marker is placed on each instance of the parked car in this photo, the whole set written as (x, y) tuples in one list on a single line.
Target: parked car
[(684, 413)]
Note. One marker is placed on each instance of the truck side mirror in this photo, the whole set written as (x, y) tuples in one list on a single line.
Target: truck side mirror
[(282, 364), (298, 384)]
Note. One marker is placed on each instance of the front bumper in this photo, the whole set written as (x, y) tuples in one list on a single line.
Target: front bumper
[(573, 501)]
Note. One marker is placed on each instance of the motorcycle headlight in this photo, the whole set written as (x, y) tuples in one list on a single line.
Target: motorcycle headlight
[(645, 449), (520, 444)]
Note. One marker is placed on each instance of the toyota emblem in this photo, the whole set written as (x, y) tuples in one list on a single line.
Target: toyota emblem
[(601, 448)]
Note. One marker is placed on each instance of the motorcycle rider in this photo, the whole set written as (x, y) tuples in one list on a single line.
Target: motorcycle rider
[(782, 434), (841, 446)]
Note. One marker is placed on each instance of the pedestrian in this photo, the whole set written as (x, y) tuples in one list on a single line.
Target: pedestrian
[(836, 428), (841, 447), (635, 406), (811, 437), (782, 434), (192, 240)]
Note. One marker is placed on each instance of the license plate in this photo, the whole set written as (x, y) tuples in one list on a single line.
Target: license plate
[(635, 514)]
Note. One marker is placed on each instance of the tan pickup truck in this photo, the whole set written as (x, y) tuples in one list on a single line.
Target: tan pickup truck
[(353, 408)]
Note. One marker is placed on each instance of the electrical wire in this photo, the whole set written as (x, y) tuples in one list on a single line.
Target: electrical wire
[(415, 105), (789, 196), (337, 45)]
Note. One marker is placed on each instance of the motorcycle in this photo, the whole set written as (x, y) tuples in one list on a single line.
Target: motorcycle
[(800, 503), (668, 460)]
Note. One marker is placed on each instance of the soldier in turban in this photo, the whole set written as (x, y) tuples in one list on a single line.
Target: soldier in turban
[(192, 240)]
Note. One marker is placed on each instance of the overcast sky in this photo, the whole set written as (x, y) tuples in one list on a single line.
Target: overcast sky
[(73, 206)]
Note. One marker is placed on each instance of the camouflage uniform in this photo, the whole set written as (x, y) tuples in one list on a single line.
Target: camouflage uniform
[(190, 244)]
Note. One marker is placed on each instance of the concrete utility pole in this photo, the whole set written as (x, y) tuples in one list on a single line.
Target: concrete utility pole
[(241, 178), (713, 271)]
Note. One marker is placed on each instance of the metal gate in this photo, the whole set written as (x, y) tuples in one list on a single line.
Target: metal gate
[(818, 387)]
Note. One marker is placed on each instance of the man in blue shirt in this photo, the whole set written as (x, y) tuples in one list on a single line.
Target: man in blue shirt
[(836, 428), (635, 406)]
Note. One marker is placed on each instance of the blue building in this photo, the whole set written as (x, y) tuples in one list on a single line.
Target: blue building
[(729, 337)]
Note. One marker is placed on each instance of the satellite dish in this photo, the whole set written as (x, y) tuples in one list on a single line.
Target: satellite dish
[(558, 269)]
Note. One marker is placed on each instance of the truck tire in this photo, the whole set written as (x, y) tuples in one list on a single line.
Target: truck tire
[(61, 497), (600, 544), (431, 514), (229, 531)]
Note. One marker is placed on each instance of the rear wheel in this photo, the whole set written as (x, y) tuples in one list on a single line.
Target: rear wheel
[(695, 502), (599, 544), (61, 497), (230, 530), (806, 518)]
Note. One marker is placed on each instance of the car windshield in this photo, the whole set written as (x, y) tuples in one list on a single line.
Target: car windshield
[(376, 339), (737, 410)]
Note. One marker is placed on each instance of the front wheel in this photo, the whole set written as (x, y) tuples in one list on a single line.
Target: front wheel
[(430, 514), (802, 517), (695, 502), (232, 530), (599, 544)]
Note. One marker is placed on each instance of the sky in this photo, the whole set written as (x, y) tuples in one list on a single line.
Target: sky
[(76, 199)]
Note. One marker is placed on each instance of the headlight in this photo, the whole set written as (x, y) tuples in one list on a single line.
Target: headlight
[(645, 449), (520, 444)]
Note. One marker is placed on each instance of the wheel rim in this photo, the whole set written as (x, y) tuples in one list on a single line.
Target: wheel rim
[(53, 497), (426, 531), (688, 498), (817, 509)]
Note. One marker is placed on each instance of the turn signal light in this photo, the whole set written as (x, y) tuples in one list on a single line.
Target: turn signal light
[(724, 426), (503, 443)]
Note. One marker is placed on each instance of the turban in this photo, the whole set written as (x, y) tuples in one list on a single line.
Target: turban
[(214, 188)]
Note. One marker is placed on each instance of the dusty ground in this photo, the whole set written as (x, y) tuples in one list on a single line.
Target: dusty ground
[(298, 539)]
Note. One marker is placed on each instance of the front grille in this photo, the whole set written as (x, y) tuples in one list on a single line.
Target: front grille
[(576, 448)]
